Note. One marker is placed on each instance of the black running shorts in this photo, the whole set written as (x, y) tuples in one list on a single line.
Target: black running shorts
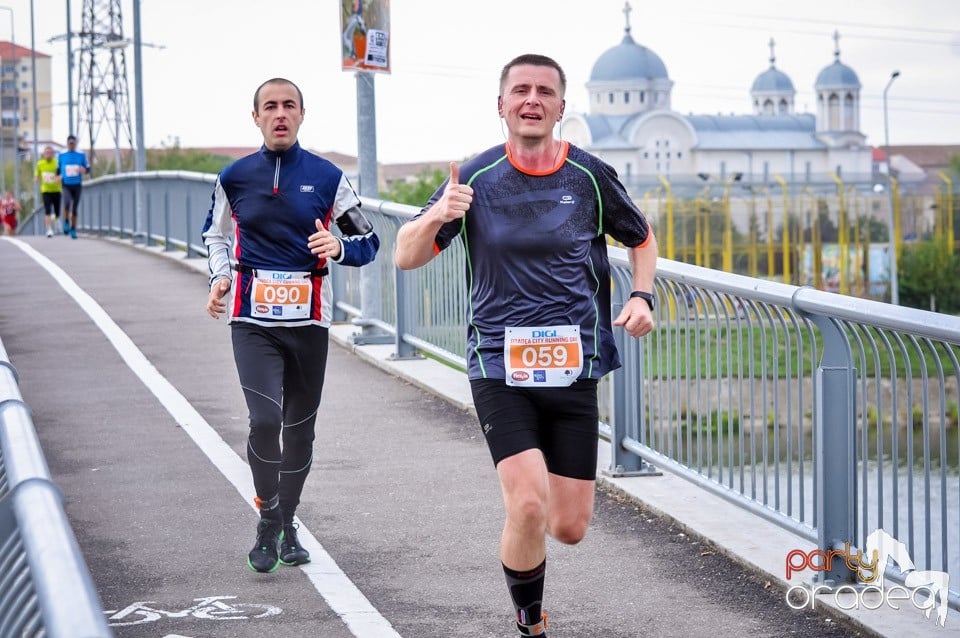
[(560, 422)]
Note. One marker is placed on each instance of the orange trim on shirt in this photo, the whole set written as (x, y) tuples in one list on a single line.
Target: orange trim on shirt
[(436, 249), (647, 240), (561, 158)]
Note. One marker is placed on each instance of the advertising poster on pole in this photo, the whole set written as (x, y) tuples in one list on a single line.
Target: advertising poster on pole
[(365, 35)]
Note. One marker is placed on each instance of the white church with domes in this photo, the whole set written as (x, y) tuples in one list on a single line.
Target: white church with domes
[(632, 126)]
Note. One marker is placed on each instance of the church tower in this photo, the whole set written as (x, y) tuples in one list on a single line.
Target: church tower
[(628, 78), (838, 97), (772, 92)]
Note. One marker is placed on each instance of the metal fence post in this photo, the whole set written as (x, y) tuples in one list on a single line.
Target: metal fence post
[(835, 450), (166, 221), (136, 219), (622, 461), (404, 349), (186, 236), (109, 217), (339, 279), (148, 239)]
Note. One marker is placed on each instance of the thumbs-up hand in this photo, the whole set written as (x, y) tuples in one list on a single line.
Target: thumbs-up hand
[(456, 198), (323, 243)]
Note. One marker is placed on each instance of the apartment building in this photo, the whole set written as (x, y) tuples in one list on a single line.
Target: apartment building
[(16, 96)]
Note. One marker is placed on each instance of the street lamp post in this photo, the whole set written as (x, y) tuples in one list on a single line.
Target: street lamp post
[(70, 130), (36, 110), (140, 159), (892, 251)]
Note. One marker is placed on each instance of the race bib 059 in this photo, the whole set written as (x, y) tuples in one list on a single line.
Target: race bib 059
[(542, 356)]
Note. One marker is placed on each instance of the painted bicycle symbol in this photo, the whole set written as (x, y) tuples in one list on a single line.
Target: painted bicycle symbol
[(206, 608)]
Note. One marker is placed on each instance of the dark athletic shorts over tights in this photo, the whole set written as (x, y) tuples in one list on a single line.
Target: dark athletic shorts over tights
[(561, 422), (51, 204), (281, 372)]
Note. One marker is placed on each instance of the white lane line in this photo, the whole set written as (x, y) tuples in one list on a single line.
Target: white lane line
[(341, 595)]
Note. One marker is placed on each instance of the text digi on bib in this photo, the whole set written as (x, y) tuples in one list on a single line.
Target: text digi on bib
[(542, 356), (279, 294)]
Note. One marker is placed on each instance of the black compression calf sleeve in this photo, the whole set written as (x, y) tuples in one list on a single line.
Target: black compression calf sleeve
[(526, 591)]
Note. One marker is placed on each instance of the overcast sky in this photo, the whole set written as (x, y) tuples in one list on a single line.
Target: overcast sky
[(439, 101)]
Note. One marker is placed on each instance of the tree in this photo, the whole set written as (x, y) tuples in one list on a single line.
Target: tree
[(829, 232), (174, 158), (415, 193), (929, 277)]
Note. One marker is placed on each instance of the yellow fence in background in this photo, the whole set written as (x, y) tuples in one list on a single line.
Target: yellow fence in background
[(833, 237)]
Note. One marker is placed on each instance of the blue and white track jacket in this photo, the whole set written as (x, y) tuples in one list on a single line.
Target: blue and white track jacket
[(265, 206)]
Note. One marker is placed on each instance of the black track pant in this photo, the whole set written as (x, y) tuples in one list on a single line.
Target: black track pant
[(281, 372)]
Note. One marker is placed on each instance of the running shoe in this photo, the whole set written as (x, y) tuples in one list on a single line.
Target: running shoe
[(73, 233), (66, 228), (49, 232), (264, 557), (291, 551)]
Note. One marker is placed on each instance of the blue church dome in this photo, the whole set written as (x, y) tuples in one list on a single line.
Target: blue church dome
[(837, 75), (628, 61), (772, 79)]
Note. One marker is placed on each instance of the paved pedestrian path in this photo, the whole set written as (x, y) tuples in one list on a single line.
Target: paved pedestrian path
[(137, 404)]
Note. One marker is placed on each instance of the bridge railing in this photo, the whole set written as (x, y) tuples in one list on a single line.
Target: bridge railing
[(829, 415), (45, 585)]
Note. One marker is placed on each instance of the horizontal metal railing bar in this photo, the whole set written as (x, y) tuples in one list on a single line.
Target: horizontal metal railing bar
[(58, 574), (349, 309), (61, 579), (9, 383), (434, 351), (763, 290), (404, 211), (684, 472), (605, 432), (23, 458), (935, 325), (374, 323), (153, 175)]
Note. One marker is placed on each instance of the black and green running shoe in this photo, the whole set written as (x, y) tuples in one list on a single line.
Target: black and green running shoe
[(291, 551), (264, 557)]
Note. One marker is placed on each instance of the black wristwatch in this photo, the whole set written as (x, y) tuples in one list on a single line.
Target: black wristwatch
[(646, 296)]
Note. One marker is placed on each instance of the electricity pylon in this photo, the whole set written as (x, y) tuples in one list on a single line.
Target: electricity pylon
[(103, 96)]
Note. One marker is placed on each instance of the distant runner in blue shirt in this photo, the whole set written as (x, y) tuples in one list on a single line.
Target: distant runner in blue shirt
[(73, 164)]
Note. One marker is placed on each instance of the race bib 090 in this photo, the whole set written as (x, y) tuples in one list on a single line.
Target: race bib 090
[(278, 294)]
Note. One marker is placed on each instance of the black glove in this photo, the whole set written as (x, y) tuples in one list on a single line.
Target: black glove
[(352, 222)]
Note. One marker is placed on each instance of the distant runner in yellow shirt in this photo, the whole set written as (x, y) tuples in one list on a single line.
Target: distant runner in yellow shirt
[(47, 175)]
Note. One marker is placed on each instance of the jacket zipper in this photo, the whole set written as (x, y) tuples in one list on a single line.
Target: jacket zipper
[(276, 177)]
